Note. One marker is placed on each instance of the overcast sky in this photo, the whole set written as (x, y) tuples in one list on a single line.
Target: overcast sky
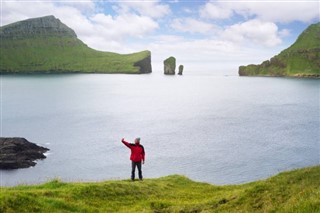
[(212, 35)]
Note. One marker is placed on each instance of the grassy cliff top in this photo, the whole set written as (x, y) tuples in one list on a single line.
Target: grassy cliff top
[(294, 191)]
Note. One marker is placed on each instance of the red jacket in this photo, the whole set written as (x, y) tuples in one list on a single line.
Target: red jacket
[(137, 151)]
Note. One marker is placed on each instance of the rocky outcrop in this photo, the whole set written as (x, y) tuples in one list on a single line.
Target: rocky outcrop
[(18, 153), (170, 66), (180, 69), (145, 64)]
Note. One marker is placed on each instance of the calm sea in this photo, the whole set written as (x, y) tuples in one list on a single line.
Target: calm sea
[(216, 129)]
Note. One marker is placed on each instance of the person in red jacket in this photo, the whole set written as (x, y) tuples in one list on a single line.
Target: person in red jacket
[(137, 156)]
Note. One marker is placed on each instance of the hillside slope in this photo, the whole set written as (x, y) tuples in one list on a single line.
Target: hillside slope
[(46, 45), (294, 191), (301, 59)]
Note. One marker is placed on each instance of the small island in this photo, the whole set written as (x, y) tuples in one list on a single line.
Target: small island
[(301, 59), (18, 153)]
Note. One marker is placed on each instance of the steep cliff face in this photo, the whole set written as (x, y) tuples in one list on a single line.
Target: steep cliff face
[(301, 59), (145, 64), (46, 45)]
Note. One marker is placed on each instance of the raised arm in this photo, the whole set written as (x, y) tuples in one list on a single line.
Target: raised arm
[(126, 143)]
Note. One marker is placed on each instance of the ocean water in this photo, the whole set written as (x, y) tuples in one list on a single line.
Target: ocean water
[(211, 128)]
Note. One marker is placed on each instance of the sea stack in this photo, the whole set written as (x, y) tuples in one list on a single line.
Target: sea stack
[(180, 69), (170, 66)]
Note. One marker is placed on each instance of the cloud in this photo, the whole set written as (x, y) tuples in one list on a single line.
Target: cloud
[(191, 25), (216, 10), (284, 33), (124, 25), (282, 12), (153, 9), (86, 7), (253, 31), (16, 10), (109, 33), (115, 29), (273, 11)]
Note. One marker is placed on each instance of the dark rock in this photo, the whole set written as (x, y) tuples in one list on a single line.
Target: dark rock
[(18, 153), (169, 66), (180, 69), (145, 64)]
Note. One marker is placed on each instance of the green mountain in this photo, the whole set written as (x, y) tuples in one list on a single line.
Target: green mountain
[(46, 45), (301, 59), (294, 191)]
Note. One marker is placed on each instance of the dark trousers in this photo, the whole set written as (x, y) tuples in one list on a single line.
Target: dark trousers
[(134, 165)]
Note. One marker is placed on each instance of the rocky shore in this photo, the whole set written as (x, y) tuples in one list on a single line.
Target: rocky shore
[(18, 153)]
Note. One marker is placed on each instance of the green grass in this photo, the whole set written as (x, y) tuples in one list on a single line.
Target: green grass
[(67, 54), (294, 191), (171, 61)]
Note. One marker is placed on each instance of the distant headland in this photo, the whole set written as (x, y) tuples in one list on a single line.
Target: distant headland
[(46, 45), (301, 59)]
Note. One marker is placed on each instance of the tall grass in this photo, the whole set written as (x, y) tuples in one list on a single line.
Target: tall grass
[(294, 191)]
